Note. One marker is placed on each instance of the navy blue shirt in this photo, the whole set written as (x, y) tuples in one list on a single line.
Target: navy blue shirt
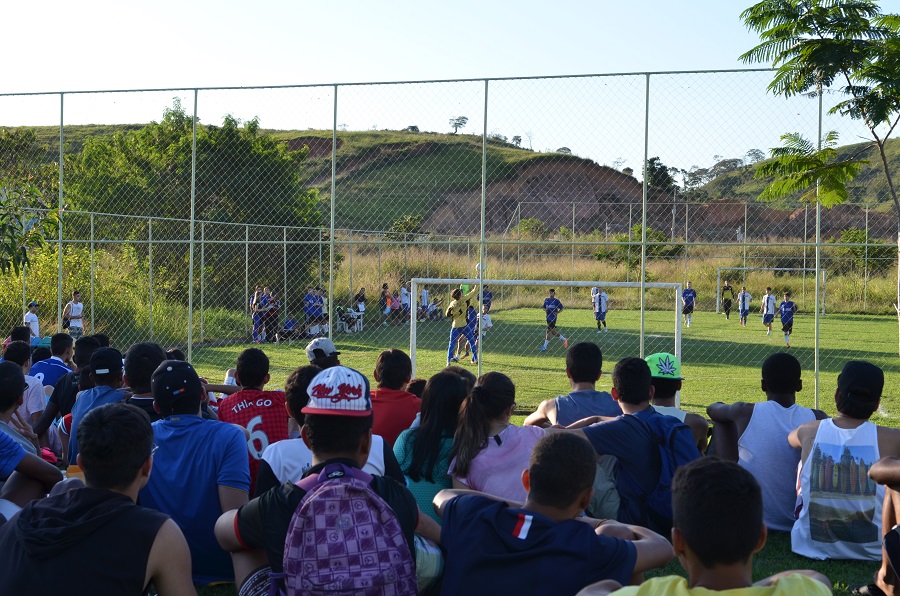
[(524, 553), (787, 312), (689, 296), (552, 306)]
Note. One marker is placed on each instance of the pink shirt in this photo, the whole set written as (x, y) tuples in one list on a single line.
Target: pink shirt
[(497, 469)]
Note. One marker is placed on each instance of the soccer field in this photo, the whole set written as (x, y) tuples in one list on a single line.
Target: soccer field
[(721, 359)]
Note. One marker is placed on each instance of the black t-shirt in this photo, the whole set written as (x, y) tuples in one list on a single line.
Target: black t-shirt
[(64, 392), (263, 522), (146, 404)]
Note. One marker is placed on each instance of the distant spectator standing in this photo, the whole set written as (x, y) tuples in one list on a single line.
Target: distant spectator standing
[(31, 321), (73, 316)]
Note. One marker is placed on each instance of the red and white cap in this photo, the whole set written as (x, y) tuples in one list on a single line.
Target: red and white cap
[(339, 391)]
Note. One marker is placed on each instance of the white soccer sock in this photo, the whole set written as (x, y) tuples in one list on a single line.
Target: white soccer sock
[(562, 338), (546, 342)]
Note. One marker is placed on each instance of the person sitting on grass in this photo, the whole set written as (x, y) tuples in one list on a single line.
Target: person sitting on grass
[(106, 375), (140, 362), (394, 407), (718, 527), (886, 471), (541, 546), (489, 451), (755, 436), (665, 376), (54, 544)]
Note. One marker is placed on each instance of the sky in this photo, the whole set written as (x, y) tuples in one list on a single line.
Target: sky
[(172, 44)]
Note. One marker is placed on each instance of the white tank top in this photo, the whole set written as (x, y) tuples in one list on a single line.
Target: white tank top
[(670, 411), (763, 450), (75, 310), (841, 515)]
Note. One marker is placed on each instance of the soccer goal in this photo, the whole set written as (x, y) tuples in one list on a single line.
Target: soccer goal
[(514, 342), (746, 269)]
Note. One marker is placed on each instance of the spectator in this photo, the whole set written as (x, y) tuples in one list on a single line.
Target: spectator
[(755, 436), (542, 546), (55, 542), (665, 376), (49, 371), (173, 354), (288, 461), (63, 397), (424, 452), (140, 362), (103, 339), (393, 407), (322, 353), (11, 398), (263, 413), (489, 452), (631, 439), (73, 316), (338, 432), (200, 468), (886, 471), (835, 453), (21, 333), (584, 364), (41, 353), (106, 374), (32, 408), (417, 386), (707, 496), (31, 321)]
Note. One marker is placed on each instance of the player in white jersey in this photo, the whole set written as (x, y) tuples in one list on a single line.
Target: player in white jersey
[(768, 310), (743, 300), (601, 303)]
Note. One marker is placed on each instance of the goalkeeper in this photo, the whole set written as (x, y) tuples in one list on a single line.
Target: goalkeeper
[(457, 312)]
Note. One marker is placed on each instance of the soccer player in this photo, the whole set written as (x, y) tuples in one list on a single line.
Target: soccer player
[(457, 312), (744, 299), (787, 308), (688, 299), (552, 306), (768, 310), (727, 297), (487, 299), (601, 302)]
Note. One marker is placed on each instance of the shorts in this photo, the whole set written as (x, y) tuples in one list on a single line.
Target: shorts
[(600, 316), (726, 304), (744, 313), (551, 325), (688, 309), (768, 319), (76, 332), (257, 583), (787, 327)]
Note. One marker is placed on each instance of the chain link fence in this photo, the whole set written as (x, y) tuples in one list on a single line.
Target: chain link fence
[(175, 204)]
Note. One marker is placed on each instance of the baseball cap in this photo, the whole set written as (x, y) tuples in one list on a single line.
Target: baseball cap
[(174, 379), (664, 366), (106, 361), (33, 303), (862, 380), (320, 347), (339, 391)]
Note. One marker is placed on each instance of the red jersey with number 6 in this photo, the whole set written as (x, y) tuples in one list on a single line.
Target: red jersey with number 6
[(263, 414)]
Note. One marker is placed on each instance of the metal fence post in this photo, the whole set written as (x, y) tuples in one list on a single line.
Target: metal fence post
[(149, 270), (59, 273), (350, 259), (284, 274), (644, 210), (247, 314), (866, 265)]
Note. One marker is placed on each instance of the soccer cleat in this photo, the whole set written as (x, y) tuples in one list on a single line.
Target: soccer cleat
[(769, 332), (599, 332), (787, 345), (565, 343), (542, 349), (454, 359), (474, 361), (606, 329)]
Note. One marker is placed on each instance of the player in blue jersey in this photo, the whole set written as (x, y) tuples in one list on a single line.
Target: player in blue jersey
[(688, 299), (787, 308), (486, 300), (552, 306)]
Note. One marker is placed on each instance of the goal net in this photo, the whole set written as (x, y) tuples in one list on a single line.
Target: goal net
[(514, 341)]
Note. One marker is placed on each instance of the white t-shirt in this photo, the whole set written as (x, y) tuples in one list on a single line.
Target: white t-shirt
[(75, 310), (404, 297), (290, 459), (31, 320), (768, 305), (423, 297), (486, 322), (744, 299), (600, 300)]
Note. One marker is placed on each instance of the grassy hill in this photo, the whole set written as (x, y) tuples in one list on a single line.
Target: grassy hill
[(384, 175)]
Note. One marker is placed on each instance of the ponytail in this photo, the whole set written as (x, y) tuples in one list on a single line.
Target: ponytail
[(491, 396)]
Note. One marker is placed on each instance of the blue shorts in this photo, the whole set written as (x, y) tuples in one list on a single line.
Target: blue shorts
[(744, 313), (768, 319), (600, 316)]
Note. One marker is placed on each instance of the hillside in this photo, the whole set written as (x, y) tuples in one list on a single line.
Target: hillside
[(382, 176)]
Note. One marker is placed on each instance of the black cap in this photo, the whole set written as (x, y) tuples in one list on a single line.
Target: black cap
[(106, 361), (174, 380), (861, 380)]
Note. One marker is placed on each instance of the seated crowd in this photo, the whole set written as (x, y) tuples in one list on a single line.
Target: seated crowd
[(426, 485)]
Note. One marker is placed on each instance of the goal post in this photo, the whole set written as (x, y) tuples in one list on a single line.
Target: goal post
[(417, 282), (745, 269)]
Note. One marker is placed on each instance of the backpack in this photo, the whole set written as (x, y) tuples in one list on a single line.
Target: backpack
[(676, 446), (345, 539)]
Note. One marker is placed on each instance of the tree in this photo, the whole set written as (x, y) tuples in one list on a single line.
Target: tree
[(411, 128), (564, 150), (753, 156), (517, 141), (529, 135), (405, 228), (851, 45), (658, 175), (458, 122), (22, 229), (534, 228)]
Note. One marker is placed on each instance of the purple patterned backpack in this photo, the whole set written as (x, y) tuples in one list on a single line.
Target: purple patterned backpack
[(344, 539)]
